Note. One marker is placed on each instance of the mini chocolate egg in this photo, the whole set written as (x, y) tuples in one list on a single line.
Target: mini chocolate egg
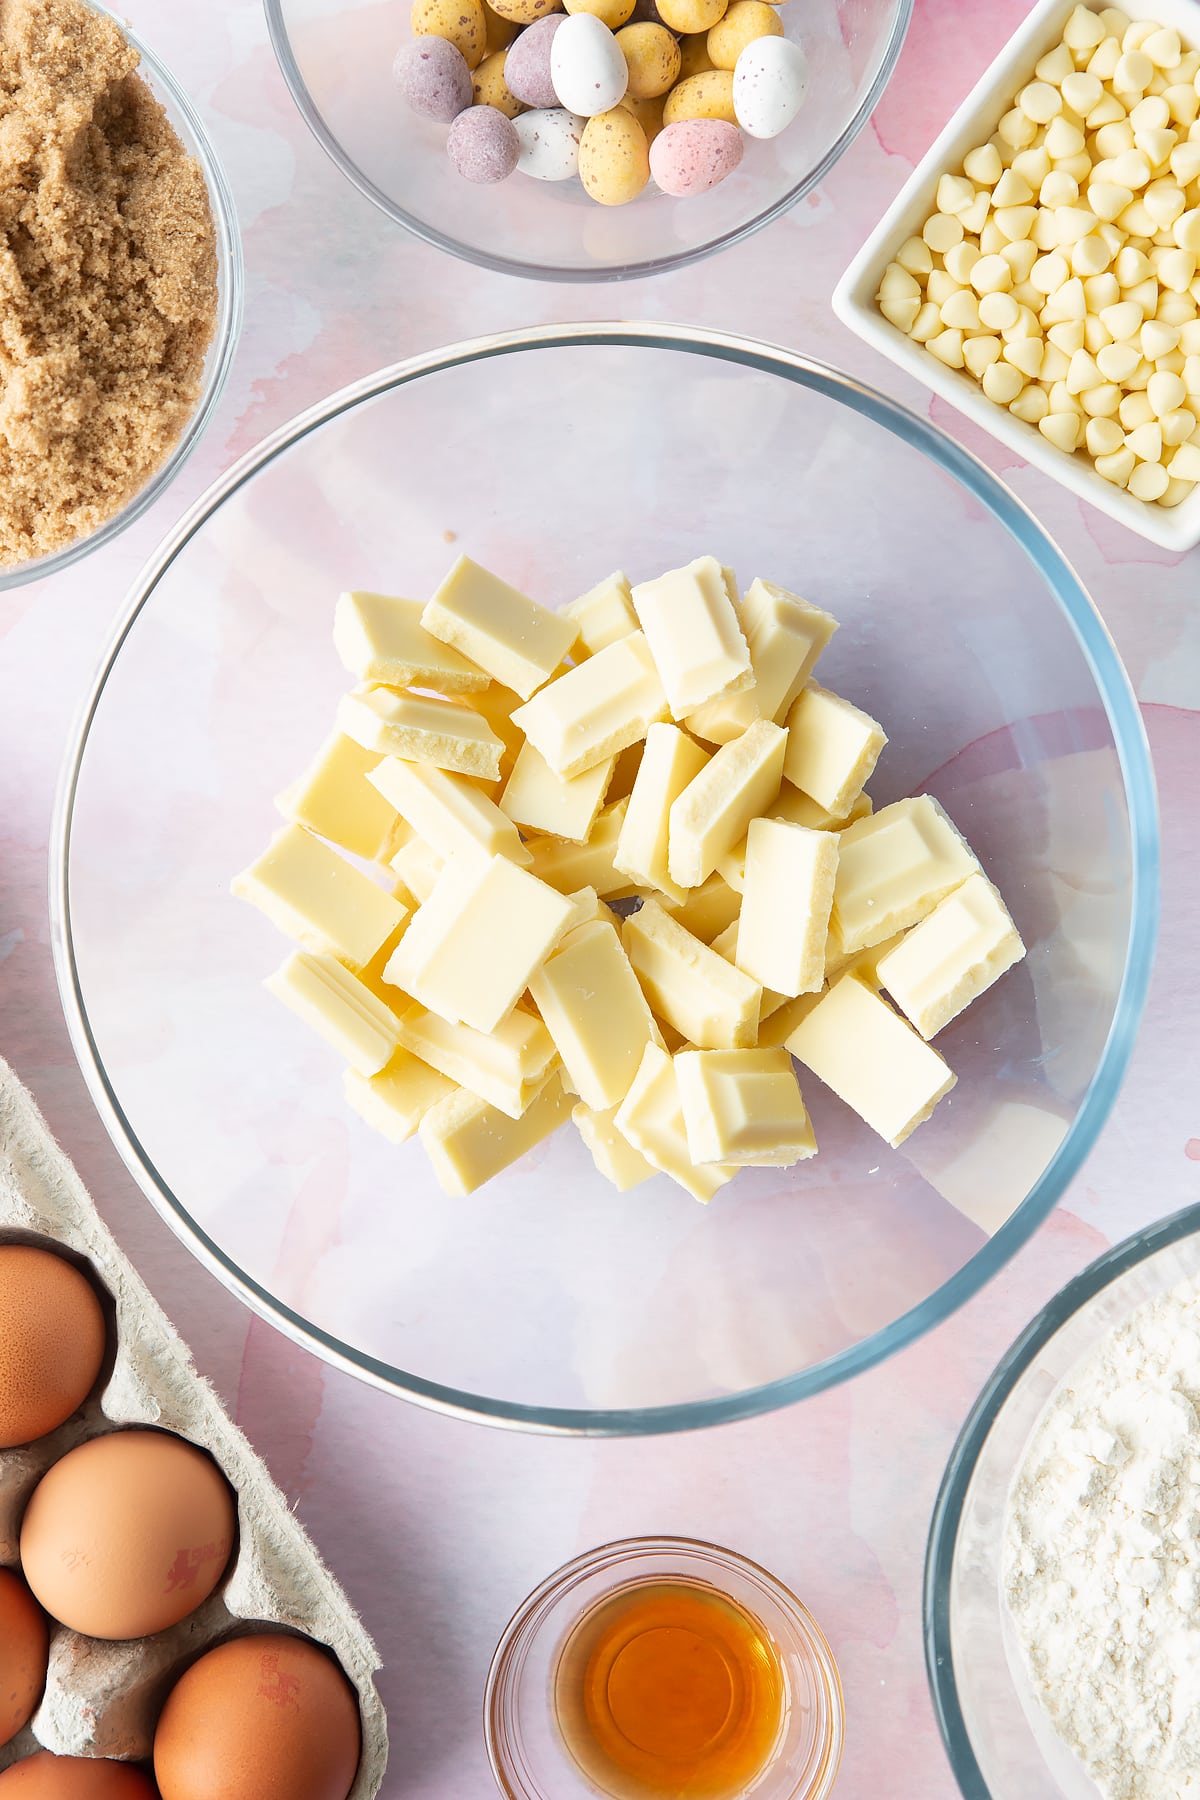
[(499, 32), (52, 1342), (693, 55), (651, 55), (24, 1649), (645, 12), (769, 85), (614, 162), (434, 78), (489, 88), (460, 22), (525, 12), (549, 140), (46, 1777), (744, 23), (482, 145), (649, 115), (690, 16), (527, 65), (708, 95), (586, 66), (127, 1534), (693, 156), (267, 1717), (612, 13)]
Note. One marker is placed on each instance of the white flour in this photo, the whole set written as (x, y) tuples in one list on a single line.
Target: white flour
[(1102, 1555)]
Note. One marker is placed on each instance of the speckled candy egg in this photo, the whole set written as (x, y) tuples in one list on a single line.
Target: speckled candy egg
[(500, 32), (648, 113), (527, 66), (434, 78), (549, 141), (744, 23), (525, 12), (693, 55), (489, 87), (612, 13), (586, 66), (705, 96), (614, 161), (460, 22), (651, 55), (690, 16), (483, 145), (769, 85), (691, 157)]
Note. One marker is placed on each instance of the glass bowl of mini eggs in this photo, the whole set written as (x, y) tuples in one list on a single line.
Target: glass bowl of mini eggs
[(612, 139)]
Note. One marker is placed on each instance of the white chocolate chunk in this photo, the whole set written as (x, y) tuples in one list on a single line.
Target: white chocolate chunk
[(380, 637), (715, 809), (602, 615), (394, 1101), (457, 960), (710, 908), (417, 865), (597, 1015), (596, 710), (448, 811), (506, 1066), (790, 875), (955, 954), (671, 760), (537, 798), (651, 1118), (871, 1058), (743, 1107), (334, 798), (317, 898), (893, 868), (421, 728), (614, 1156), (832, 748), (710, 1003), (692, 629), (785, 635), (567, 866), (518, 642), (322, 992), (468, 1142)]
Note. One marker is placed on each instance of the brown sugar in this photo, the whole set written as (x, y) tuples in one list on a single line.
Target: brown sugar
[(108, 276)]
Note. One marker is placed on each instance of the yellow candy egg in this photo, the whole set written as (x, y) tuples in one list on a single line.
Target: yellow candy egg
[(525, 12), (745, 21), (693, 55), (708, 95), (652, 57), (460, 22), (489, 88), (612, 13), (614, 159), (691, 15), (648, 113), (500, 32)]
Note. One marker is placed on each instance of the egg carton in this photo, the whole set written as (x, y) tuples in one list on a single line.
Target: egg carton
[(103, 1699)]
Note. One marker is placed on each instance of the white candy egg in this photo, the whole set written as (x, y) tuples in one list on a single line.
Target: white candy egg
[(587, 69), (549, 140), (770, 80)]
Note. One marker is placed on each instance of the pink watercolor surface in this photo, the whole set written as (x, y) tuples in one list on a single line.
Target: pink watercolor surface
[(438, 1529)]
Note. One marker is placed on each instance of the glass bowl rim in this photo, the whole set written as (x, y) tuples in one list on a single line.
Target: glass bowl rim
[(506, 265), (1059, 1310), (231, 286), (1114, 691), (622, 1551)]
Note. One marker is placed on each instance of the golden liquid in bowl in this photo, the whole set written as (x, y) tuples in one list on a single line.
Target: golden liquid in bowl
[(669, 1688)]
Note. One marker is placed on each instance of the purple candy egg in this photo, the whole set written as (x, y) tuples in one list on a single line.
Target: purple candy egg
[(433, 76), (693, 155), (483, 145), (527, 65)]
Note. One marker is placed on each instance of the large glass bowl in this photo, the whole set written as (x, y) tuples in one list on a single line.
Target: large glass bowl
[(1000, 1742), (556, 455), (337, 59), (219, 360)]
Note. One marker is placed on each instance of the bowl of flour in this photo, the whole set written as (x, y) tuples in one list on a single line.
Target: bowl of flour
[(1062, 1599)]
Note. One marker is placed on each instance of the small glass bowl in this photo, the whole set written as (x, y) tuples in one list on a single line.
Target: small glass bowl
[(230, 285), (529, 1759)]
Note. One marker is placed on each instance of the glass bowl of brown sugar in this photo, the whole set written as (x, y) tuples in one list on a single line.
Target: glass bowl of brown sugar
[(120, 282)]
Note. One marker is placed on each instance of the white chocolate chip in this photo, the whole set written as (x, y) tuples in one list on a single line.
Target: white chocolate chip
[(947, 346), (1041, 102), (1131, 169), (960, 259), (1104, 59), (1187, 229), (1124, 320), (1165, 391), (1111, 140), (1107, 111), (900, 312), (1055, 363), (1191, 374), (976, 216), (1062, 430), (1030, 404), (1026, 354), (1108, 200), (1147, 442), (983, 166), (1011, 190), (1101, 402), (1082, 373), (991, 275), (1134, 73), (1177, 427), (998, 311), (979, 353), (1020, 257), (1067, 335), (1158, 338), (1015, 222), (1163, 48), (1069, 302), (1176, 269), (1103, 437), (1062, 400), (1049, 272), (898, 284), (961, 311), (1083, 30), (954, 194), (915, 256), (1134, 410), (1081, 92), (1135, 32), (940, 286), (1156, 145), (927, 323), (1058, 189), (1117, 361), (1063, 140), (1090, 255), (1148, 481), (1185, 464), (1017, 128), (1116, 468), (1101, 291), (1032, 165), (942, 231), (1056, 65), (1176, 492), (1002, 383)]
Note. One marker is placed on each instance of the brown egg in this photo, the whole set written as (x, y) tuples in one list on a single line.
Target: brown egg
[(259, 1718), (127, 1534), (52, 1342), (46, 1777), (24, 1648)]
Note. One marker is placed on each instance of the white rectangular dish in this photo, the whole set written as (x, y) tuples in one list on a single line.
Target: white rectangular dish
[(854, 301)]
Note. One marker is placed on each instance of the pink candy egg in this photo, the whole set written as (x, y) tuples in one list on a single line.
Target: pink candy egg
[(482, 144), (433, 76), (694, 155), (527, 65)]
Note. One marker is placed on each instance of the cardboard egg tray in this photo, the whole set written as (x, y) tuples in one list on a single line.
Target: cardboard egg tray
[(103, 1699)]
